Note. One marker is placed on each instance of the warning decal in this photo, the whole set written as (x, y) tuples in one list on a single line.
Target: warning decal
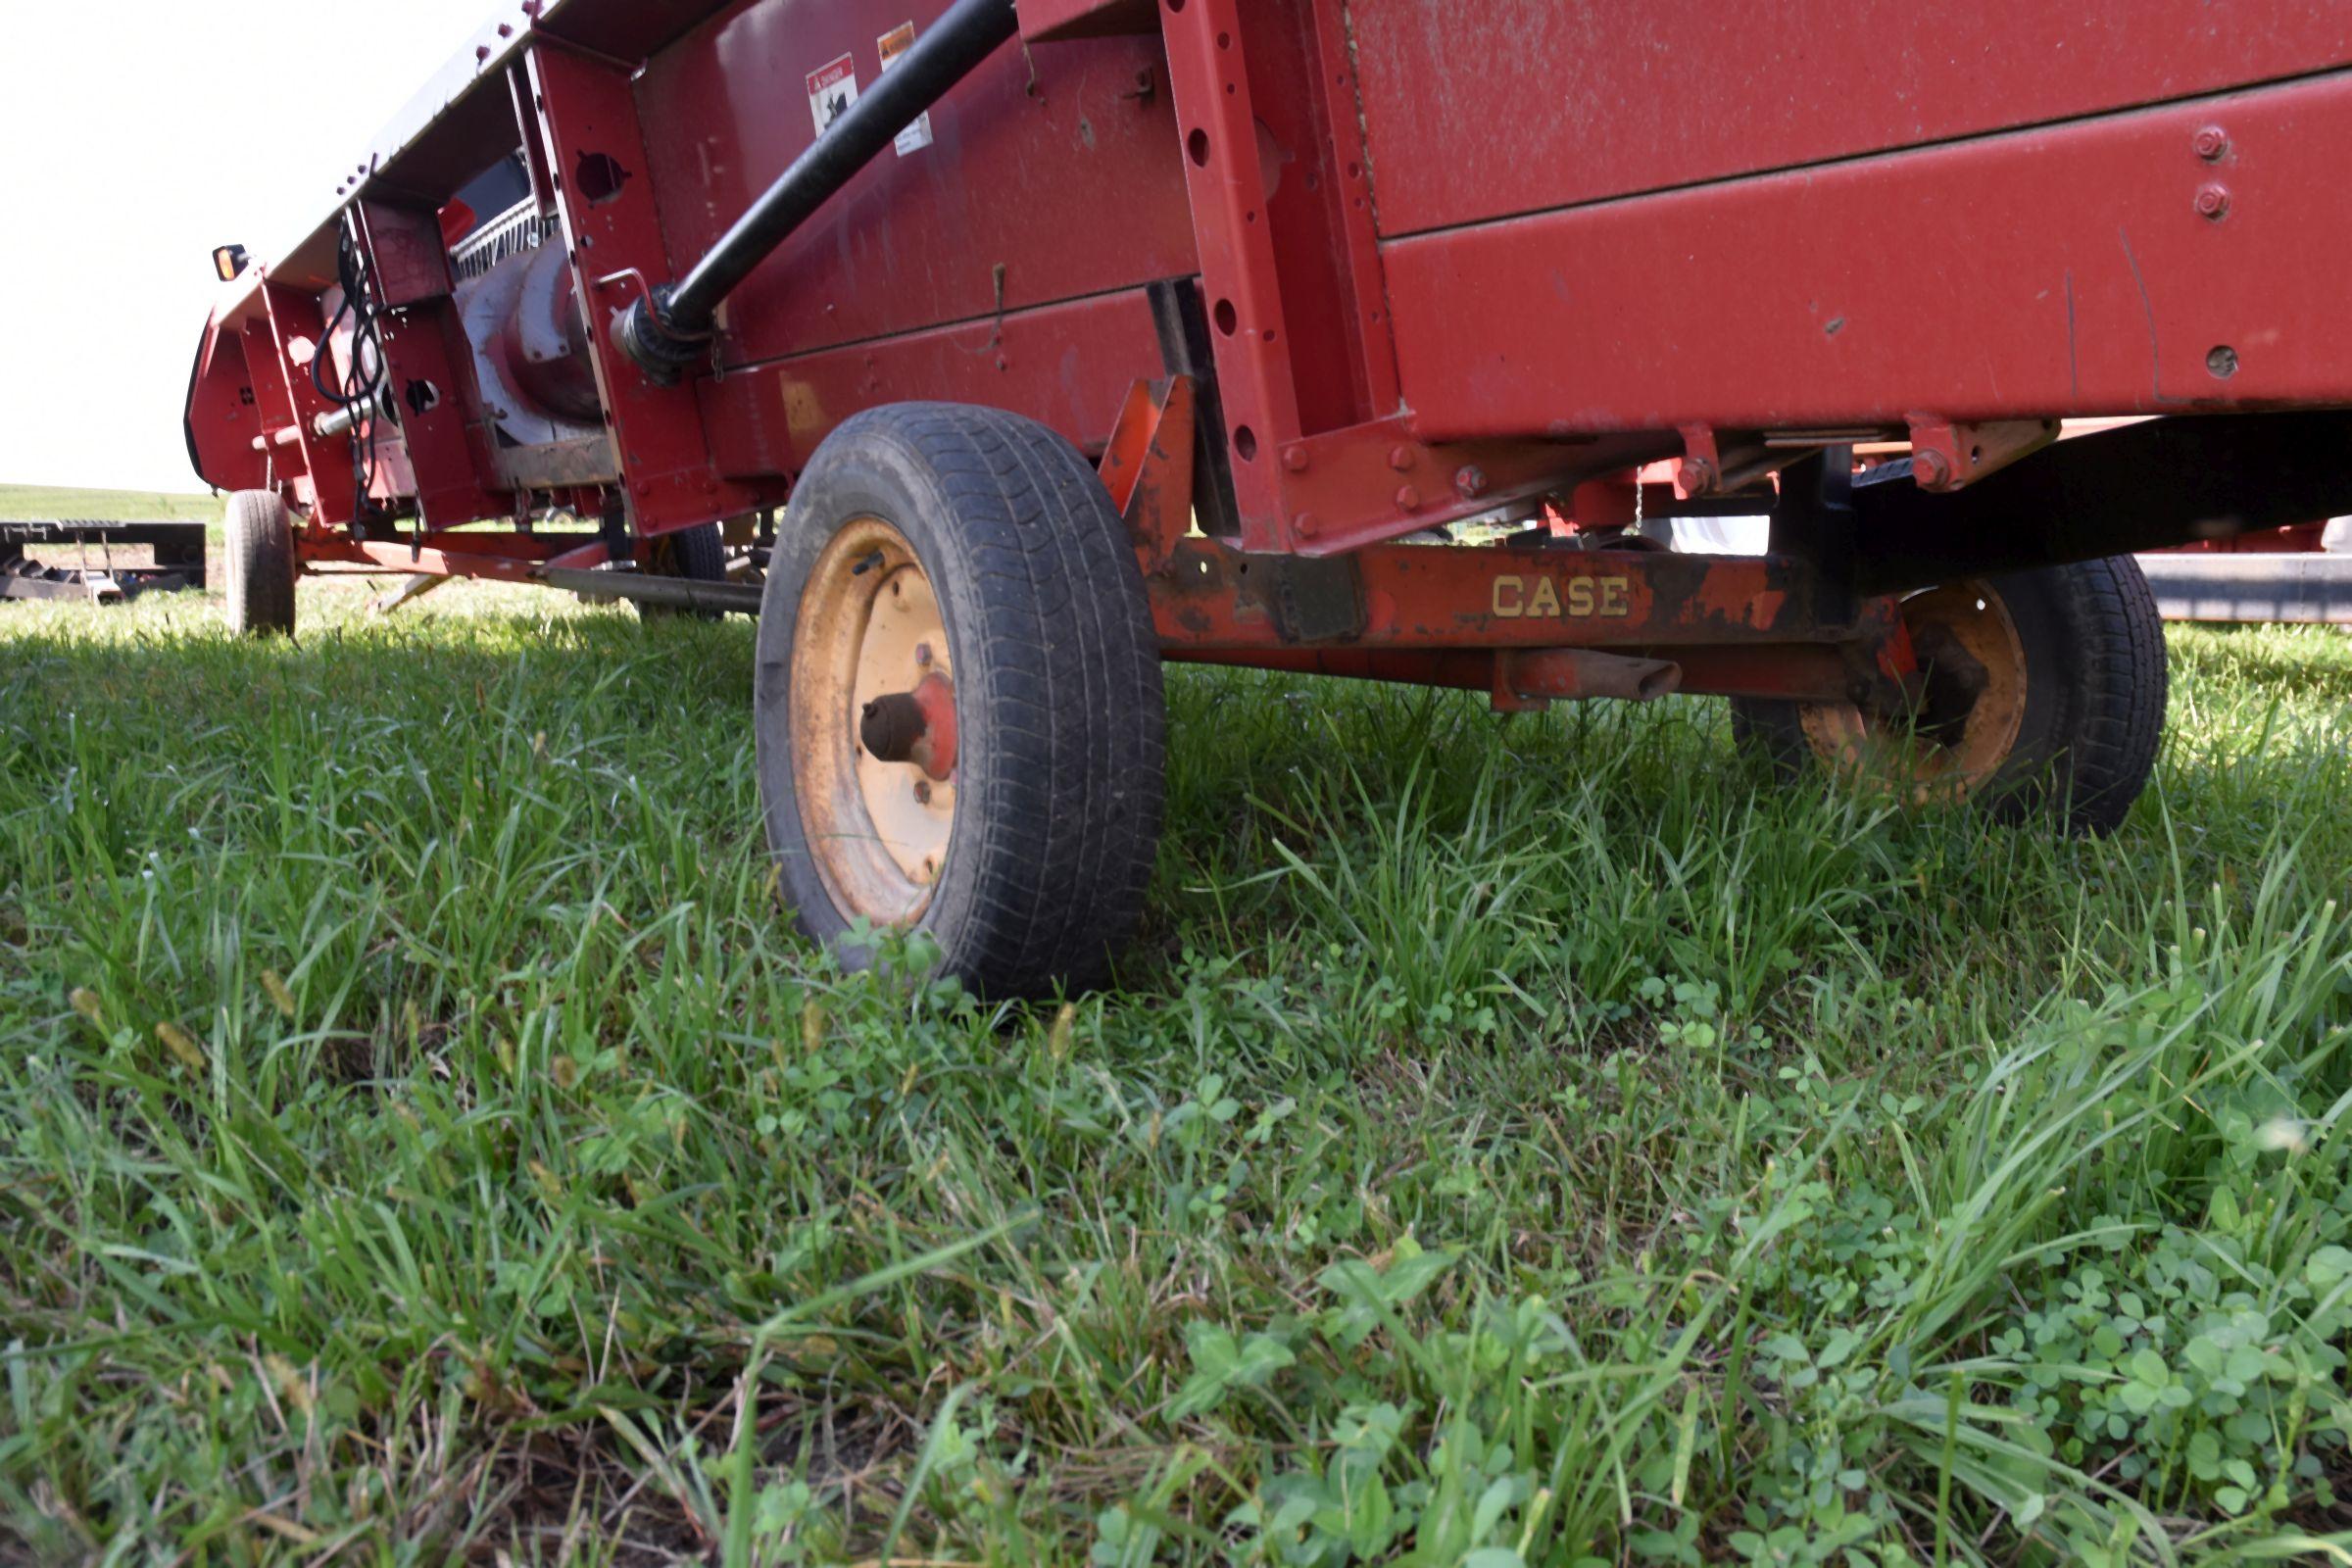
[(894, 43), (832, 89)]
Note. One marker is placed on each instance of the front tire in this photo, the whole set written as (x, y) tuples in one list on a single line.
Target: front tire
[(960, 572), (260, 562), (2046, 695)]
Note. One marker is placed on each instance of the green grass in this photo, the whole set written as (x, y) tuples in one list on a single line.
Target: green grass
[(1528, 1140), (46, 501)]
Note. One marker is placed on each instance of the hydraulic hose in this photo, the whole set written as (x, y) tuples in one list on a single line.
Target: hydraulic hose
[(668, 330)]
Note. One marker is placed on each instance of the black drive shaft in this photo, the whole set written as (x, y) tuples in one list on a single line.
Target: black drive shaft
[(671, 330)]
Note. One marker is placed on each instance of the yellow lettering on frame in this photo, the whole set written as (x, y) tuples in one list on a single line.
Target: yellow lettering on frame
[(1545, 600), (1614, 593), (1579, 598), (1507, 601)]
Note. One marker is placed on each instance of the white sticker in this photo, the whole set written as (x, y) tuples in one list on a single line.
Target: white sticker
[(894, 43), (832, 89)]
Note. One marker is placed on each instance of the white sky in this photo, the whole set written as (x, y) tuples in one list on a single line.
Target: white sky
[(135, 136)]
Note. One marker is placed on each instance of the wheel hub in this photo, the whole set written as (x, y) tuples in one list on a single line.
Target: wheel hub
[(1969, 708), (873, 719), (917, 726)]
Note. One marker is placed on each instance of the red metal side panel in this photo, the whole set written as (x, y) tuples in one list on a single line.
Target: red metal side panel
[(223, 414), (1512, 105), (1066, 365), (2084, 268), (1056, 167), (1085, 19)]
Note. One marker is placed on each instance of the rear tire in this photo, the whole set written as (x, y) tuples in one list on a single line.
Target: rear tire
[(932, 544), (2089, 646), (698, 554), (260, 564)]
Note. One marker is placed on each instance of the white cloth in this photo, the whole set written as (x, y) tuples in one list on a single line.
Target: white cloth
[(1722, 536)]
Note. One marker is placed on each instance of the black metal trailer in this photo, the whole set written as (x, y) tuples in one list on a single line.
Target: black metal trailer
[(175, 550)]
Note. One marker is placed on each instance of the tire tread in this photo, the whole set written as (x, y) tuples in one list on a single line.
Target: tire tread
[(1062, 656)]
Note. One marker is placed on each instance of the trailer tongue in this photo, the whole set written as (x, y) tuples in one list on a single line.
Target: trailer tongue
[(1373, 339)]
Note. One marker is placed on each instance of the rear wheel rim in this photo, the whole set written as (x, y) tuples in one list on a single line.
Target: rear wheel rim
[(1965, 639), (869, 627)]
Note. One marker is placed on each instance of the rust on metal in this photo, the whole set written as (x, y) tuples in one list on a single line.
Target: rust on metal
[(871, 639), (1961, 719), (915, 726), (1148, 466)]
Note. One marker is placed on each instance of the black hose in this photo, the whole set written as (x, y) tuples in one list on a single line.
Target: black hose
[(666, 333), (359, 396)]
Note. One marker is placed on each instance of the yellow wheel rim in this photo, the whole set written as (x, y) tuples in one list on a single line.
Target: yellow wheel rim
[(1965, 635), (869, 628)]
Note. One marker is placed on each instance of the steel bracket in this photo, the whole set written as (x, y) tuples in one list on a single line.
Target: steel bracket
[(1310, 600), (1945, 455)]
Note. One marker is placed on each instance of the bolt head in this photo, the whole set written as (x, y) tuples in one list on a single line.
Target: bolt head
[(1400, 458), (2221, 362), (1699, 477), (1306, 525), (922, 792), (1470, 481), (1930, 468), (1408, 498), (2213, 201), (922, 654), (1294, 457), (2211, 142)]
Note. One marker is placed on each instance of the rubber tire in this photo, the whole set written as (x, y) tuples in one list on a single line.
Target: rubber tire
[(2096, 686), (261, 563), (698, 554), (1061, 721)]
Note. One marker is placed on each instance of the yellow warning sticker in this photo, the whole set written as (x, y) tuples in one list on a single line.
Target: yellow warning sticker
[(892, 44)]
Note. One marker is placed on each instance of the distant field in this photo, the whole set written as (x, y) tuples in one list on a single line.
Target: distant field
[(119, 506)]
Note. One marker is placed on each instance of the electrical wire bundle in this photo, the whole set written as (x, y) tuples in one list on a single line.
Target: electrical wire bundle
[(359, 392)]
